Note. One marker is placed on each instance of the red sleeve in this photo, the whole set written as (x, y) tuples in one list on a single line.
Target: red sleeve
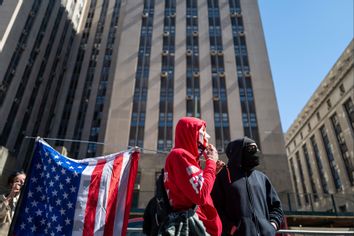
[(190, 178)]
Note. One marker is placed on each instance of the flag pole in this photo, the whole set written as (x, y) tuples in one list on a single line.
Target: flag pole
[(26, 170), (100, 143)]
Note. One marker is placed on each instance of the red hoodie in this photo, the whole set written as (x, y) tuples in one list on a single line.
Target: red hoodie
[(186, 183)]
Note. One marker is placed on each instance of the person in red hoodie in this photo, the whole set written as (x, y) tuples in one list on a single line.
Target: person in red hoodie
[(188, 186)]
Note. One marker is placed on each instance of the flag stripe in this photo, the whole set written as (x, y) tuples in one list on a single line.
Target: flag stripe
[(91, 204), (122, 189), (112, 196), (130, 188), (103, 198), (78, 224)]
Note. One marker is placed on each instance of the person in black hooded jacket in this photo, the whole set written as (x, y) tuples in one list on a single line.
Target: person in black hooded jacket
[(245, 199)]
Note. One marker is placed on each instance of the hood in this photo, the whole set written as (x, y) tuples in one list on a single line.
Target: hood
[(187, 134), (234, 151)]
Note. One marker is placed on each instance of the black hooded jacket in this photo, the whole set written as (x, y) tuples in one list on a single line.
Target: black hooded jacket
[(245, 199)]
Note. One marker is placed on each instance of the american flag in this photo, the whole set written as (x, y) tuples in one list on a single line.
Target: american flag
[(63, 196)]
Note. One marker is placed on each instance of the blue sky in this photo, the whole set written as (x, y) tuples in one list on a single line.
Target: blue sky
[(304, 40)]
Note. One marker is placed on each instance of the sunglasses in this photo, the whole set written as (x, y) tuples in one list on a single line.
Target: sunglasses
[(252, 149)]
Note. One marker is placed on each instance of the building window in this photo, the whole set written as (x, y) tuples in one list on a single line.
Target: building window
[(343, 208), (332, 163), (343, 148), (349, 109), (310, 172), (91, 148), (341, 89), (320, 169), (297, 194), (318, 116), (302, 178), (329, 104)]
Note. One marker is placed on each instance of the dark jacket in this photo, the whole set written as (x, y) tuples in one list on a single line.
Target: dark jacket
[(157, 210), (245, 199)]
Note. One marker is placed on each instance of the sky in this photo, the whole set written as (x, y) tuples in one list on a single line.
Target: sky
[(304, 39)]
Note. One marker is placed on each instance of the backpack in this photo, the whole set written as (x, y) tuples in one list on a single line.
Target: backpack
[(157, 209)]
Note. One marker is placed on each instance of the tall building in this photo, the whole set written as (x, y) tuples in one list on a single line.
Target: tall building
[(320, 142), (36, 40), (123, 72)]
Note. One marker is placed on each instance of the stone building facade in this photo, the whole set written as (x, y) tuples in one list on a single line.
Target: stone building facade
[(320, 143), (123, 72)]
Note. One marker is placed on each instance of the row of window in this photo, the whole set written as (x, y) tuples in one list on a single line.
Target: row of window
[(249, 117), (102, 88), (16, 56), (85, 97), (165, 125), (76, 75), (136, 135), (54, 70), (192, 60), (11, 70), (23, 84), (221, 117), (344, 157), (45, 84), (40, 75)]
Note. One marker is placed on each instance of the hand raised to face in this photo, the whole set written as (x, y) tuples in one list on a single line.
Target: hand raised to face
[(211, 153)]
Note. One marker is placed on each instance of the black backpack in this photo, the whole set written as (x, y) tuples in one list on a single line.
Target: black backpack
[(157, 209)]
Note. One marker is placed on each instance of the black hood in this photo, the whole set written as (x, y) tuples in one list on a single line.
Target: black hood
[(234, 151)]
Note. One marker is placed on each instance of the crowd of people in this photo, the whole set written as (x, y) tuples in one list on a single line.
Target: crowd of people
[(218, 199)]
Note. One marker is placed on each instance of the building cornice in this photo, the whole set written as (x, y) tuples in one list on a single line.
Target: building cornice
[(330, 82)]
